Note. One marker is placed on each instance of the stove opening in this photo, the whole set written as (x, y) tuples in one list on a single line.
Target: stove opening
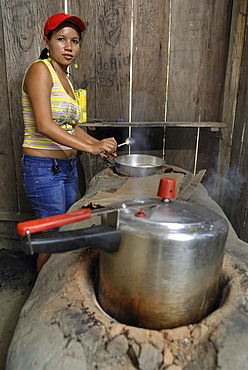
[(130, 318)]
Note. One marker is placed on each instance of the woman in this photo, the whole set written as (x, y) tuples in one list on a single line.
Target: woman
[(52, 136)]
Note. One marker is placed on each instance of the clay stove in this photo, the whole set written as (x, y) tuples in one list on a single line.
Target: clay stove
[(62, 325)]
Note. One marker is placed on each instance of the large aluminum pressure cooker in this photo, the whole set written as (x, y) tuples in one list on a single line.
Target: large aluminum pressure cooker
[(160, 259), (166, 272)]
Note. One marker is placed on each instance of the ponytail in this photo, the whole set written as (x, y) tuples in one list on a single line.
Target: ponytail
[(43, 54)]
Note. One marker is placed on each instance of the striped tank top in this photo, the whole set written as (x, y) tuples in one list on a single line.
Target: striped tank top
[(65, 112)]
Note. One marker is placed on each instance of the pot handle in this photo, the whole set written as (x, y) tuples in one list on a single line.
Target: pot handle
[(103, 237), (34, 226)]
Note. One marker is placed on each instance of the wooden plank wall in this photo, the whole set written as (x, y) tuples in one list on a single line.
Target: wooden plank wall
[(144, 60), (234, 62), (119, 55), (198, 53), (149, 71), (236, 189), (8, 190), (195, 33), (21, 42)]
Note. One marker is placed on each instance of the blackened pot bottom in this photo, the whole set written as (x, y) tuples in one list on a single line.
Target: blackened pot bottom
[(129, 318)]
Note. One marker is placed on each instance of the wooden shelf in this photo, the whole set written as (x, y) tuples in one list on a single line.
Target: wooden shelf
[(153, 124)]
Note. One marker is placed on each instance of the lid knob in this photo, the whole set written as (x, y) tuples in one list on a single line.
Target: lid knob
[(140, 213), (167, 188)]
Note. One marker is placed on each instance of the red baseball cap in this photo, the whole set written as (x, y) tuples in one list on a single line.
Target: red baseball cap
[(55, 20)]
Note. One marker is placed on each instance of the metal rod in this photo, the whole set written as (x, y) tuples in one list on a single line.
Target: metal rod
[(196, 149)]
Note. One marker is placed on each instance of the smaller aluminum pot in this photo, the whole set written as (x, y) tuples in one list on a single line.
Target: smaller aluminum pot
[(138, 165), (166, 272)]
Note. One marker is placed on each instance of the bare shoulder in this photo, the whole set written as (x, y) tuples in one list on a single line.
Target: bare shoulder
[(38, 68), (37, 74)]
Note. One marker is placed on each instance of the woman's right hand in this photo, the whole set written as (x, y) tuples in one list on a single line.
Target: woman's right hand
[(108, 145)]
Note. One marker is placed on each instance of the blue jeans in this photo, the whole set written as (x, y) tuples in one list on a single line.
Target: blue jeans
[(51, 184)]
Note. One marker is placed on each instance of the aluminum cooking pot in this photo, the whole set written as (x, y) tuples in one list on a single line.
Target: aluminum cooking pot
[(160, 260), (138, 165), (167, 269)]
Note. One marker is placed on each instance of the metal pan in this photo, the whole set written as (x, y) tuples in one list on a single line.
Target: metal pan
[(138, 165)]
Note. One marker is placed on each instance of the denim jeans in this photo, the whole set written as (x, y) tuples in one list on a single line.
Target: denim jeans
[(51, 184)]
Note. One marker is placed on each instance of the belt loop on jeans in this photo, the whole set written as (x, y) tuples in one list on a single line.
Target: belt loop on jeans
[(55, 162), (23, 158), (73, 162)]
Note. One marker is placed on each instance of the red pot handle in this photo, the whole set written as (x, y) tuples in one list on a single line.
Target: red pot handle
[(34, 226)]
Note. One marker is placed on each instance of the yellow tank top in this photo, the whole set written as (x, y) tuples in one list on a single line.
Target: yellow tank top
[(65, 112)]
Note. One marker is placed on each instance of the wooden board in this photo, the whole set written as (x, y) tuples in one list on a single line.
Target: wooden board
[(209, 142), (149, 70), (236, 189), (84, 76), (94, 123), (23, 25), (236, 195), (112, 59), (105, 61), (180, 145), (230, 96), (199, 41), (149, 62), (8, 194)]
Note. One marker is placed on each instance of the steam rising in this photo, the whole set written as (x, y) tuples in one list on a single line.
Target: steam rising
[(231, 184)]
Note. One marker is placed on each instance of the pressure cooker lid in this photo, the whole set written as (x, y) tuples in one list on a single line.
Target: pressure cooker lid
[(173, 212)]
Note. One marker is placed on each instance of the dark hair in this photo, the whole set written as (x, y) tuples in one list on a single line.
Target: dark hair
[(43, 54)]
